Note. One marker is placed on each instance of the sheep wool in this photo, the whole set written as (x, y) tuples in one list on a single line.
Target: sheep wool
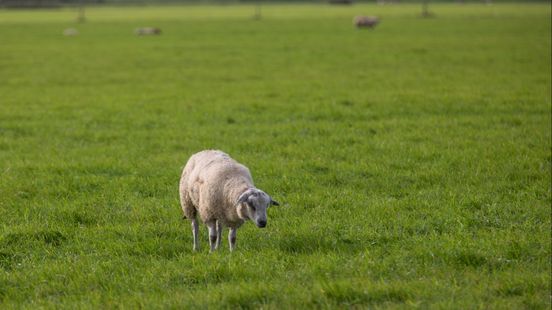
[(220, 191), (145, 31), (365, 21)]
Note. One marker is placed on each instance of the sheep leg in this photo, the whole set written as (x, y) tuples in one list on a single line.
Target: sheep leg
[(195, 232), (219, 234), (232, 238), (212, 226)]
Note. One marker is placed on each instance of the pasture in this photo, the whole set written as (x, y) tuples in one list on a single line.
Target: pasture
[(413, 161)]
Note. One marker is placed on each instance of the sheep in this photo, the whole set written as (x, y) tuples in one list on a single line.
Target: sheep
[(70, 32), (220, 190), (365, 21), (147, 31)]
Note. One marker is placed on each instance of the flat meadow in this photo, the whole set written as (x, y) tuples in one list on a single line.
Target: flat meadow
[(412, 161)]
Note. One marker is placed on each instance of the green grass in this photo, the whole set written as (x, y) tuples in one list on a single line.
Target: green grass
[(413, 161)]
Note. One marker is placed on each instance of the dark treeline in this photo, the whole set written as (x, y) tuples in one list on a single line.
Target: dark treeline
[(59, 3)]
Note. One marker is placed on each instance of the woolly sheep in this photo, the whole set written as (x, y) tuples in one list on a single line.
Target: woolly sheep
[(69, 32), (365, 21), (220, 190), (147, 31)]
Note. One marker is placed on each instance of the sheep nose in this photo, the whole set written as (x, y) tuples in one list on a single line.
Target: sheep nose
[(261, 224)]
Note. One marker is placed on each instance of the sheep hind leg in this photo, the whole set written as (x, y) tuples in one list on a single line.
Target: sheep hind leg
[(212, 226), (195, 232), (219, 234)]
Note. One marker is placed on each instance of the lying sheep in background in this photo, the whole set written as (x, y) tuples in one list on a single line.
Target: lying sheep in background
[(221, 191), (69, 32), (144, 31), (365, 21)]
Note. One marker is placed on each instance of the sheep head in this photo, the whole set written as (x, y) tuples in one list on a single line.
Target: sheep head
[(253, 203)]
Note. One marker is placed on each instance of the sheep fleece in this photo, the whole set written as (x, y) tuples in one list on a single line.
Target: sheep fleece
[(211, 184)]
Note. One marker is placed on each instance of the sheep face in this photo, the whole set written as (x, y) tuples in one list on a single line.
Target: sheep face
[(256, 206), (254, 203)]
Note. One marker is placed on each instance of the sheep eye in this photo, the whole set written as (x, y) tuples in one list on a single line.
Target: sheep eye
[(252, 207)]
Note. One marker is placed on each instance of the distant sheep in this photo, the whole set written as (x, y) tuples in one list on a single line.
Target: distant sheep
[(221, 191), (365, 21), (70, 32), (144, 31)]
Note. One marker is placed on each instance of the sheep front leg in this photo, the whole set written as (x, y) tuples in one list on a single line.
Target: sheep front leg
[(212, 226), (195, 232), (232, 238), (219, 234)]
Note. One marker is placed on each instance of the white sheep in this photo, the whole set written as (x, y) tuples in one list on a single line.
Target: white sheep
[(70, 32), (221, 191), (144, 31), (365, 21)]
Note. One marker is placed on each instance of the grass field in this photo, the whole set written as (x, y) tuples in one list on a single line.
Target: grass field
[(413, 161)]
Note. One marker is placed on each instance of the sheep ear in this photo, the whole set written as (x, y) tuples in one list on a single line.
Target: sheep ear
[(243, 197), (274, 202)]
